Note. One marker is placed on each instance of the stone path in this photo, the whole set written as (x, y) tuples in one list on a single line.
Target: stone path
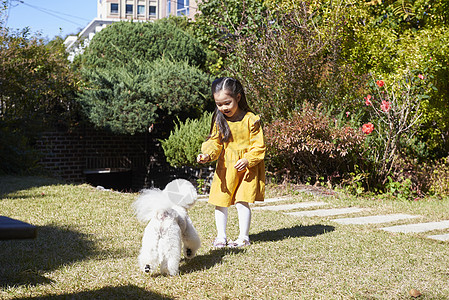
[(325, 212), (290, 206), (373, 219), (420, 227), (440, 237)]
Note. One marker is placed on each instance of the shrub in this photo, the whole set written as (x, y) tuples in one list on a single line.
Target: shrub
[(439, 179), (37, 86), (294, 57), (394, 109), (184, 143), (390, 37), (17, 157), (127, 43), (129, 101), (311, 145)]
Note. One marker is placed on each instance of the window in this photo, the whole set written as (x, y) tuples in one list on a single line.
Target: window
[(182, 8), (129, 9), (140, 9), (152, 10), (114, 8)]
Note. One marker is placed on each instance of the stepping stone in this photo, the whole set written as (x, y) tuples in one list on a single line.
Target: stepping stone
[(325, 212), (203, 198), (420, 227), (374, 219), (277, 199), (290, 206), (440, 237)]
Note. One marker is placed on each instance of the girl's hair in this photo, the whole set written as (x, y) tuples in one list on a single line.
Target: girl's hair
[(233, 87)]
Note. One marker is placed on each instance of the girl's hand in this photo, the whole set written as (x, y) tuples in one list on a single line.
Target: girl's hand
[(241, 164), (203, 158)]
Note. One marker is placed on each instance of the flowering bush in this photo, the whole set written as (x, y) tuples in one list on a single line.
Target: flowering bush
[(395, 109), (311, 145), (368, 128)]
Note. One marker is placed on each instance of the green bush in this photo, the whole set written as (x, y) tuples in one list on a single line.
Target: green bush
[(138, 74), (184, 143), (294, 57), (388, 38), (37, 86), (129, 101), (17, 157), (179, 88), (439, 179), (125, 44)]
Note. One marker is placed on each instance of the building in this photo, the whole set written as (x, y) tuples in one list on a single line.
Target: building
[(110, 11)]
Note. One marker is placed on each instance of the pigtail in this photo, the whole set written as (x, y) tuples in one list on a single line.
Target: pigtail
[(224, 131)]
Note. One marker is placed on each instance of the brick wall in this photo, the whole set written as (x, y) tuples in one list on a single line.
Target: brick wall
[(68, 155)]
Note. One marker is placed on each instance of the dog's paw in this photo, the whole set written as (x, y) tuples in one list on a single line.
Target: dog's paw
[(189, 253), (147, 269)]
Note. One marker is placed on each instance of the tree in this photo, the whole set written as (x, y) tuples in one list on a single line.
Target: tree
[(37, 86), (37, 91), (294, 57), (143, 73), (219, 25), (129, 101), (126, 43), (3, 16), (391, 38), (222, 21)]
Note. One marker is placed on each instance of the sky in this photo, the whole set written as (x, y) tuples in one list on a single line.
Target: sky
[(51, 17)]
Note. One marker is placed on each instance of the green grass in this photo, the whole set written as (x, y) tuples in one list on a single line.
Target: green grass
[(88, 242)]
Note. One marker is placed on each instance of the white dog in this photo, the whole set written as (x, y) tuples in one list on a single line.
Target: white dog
[(169, 226)]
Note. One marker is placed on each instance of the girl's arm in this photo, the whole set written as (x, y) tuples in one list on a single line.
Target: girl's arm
[(256, 151), (213, 146)]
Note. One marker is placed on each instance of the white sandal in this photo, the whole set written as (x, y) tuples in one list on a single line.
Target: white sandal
[(219, 243), (238, 243)]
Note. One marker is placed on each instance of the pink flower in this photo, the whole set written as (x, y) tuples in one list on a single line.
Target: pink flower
[(380, 83), (347, 114), (368, 100), (367, 128), (385, 106), (421, 76)]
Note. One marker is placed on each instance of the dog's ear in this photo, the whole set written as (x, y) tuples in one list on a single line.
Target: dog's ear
[(181, 223)]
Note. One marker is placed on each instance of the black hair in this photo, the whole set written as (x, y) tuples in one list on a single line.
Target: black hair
[(233, 87)]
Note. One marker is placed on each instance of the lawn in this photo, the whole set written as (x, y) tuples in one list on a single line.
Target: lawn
[(88, 241)]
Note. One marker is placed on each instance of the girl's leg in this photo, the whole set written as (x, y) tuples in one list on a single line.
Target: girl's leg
[(244, 213), (221, 219)]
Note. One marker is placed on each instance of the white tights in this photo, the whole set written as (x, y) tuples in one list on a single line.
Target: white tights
[(244, 214)]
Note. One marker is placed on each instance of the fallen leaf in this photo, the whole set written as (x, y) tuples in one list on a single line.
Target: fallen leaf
[(414, 293)]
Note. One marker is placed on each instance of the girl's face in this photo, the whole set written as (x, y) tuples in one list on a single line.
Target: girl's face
[(227, 104)]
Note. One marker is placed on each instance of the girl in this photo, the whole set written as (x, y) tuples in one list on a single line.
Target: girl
[(236, 141)]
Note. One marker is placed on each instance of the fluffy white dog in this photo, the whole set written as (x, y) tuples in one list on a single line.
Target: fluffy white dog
[(169, 226)]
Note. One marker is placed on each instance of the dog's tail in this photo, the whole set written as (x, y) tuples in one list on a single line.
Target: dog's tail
[(148, 202), (179, 192)]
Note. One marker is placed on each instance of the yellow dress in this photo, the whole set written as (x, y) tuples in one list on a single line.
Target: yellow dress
[(229, 185)]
